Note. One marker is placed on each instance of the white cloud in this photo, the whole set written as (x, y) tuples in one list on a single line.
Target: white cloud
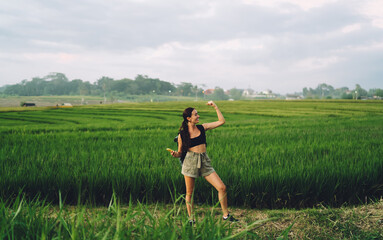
[(54, 45), (372, 9), (275, 44), (305, 5), (231, 45), (351, 28), (371, 47), (314, 63), (58, 58), (207, 10)]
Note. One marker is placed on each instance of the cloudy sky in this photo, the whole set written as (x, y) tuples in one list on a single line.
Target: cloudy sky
[(281, 45)]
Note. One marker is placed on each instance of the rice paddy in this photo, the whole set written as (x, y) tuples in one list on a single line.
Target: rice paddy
[(270, 154)]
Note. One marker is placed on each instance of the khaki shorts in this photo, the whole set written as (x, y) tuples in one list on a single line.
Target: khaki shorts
[(196, 165)]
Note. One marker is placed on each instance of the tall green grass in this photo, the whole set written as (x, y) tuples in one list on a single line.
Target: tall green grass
[(269, 153), (38, 219)]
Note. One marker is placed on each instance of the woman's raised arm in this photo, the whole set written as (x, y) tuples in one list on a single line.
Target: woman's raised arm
[(221, 119)]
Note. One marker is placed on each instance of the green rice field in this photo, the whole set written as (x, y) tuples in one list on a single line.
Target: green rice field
[(270, 154)]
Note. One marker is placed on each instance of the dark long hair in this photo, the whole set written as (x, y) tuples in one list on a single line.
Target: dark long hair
[(184, 129)]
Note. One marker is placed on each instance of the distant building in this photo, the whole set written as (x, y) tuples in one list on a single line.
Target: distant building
[(267, 94), (247, 93), (293, 97), (208, 91), (66, 105), (29, 105)]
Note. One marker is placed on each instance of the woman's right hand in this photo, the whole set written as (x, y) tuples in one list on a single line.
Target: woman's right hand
[(211, 103), (174, 153)]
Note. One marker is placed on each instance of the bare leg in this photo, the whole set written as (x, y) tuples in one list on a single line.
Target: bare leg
[(189, 182), (216, 181)]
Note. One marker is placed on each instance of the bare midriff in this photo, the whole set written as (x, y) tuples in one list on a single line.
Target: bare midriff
[(198, 149)]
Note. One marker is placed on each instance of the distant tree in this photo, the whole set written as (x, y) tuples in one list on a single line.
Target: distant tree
[(58, 84), (35, 87), (185, 89), (339, 92), (55, 76), (359, 92), (105, 83), (13, 89), (310, 93), (305, 92), (145, 84), (197, 92), (122, 85), (324, 90), (235, 94), (2, 89), (371, 92), (133, 88), (74, 87), (219, 94), (379, 92), (85, 88), (346, 95), (165, 88)]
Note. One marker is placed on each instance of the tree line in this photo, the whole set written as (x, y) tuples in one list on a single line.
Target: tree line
[(59, 84), (325, 91)]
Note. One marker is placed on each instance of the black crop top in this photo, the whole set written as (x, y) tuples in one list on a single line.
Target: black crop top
[(201, 139)]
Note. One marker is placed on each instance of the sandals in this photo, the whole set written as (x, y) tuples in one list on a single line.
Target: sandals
[(230, 218)]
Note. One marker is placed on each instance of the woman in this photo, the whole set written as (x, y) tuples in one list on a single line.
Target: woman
[(192, 147)]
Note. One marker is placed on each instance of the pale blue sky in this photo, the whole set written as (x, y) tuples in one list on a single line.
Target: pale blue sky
[(282, 45)]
